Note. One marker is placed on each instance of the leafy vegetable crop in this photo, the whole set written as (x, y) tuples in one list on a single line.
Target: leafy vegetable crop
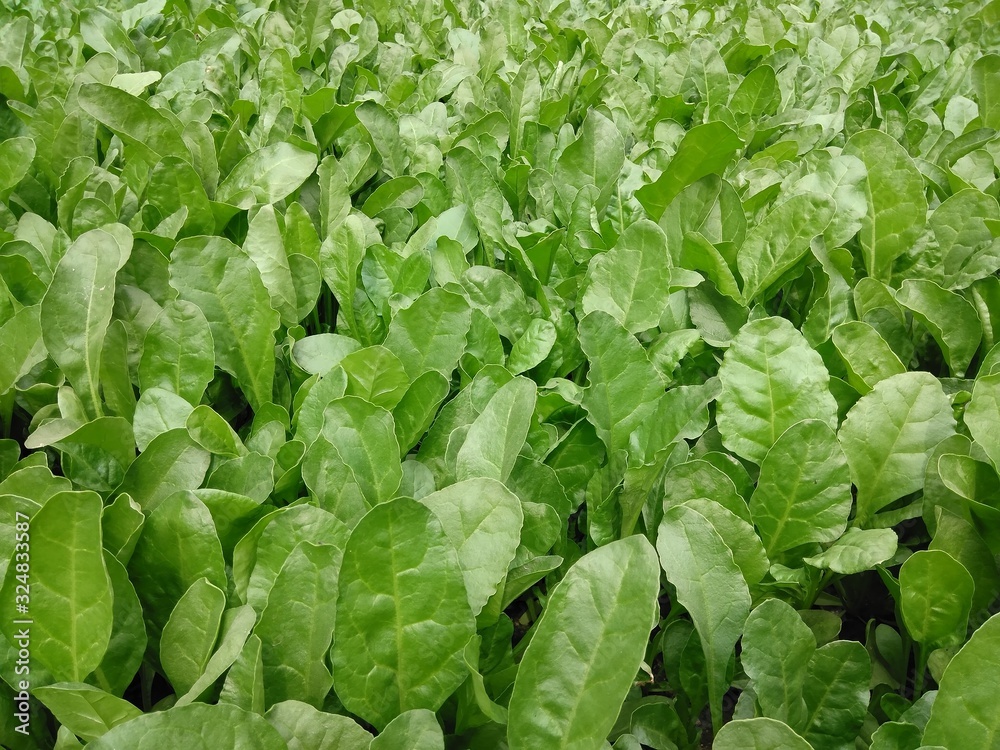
[(515, 374)]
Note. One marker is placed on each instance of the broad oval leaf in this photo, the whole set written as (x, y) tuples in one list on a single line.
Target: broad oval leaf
[(964, 713), (483, 520), (399, 647), (586, 649), (804, 490), (196, 727), (71, 605), (935, 598), (771, 379), (888, 434)]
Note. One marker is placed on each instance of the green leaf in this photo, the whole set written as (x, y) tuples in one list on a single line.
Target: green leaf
[(856, 551), (595, 158), (16, 155), (868, 357), (267, 175), (781, 239), (759, 734), (897, 207), (888, 434), (623, 386), (705, 149), (982, 415), (963, 714), (376, 375), (219, 278), (631, 282), (198, 726), (71, 597), (87, 711), (836, 694), (76, 309), (967, 248), (935, 598), (147, 130), (21, 346), (804, 491), (297, 625), (306, 728), (985, 75), (494, 440), (771, 379), (233, 633), (572, 680), (430, 333), (778, 665), (417, 729), (396, 650), (710, 586), (364, 436), (952, 321), (483, 520), (533, 347), (189, 636), (172, 461), (178, 352), (178, 546)]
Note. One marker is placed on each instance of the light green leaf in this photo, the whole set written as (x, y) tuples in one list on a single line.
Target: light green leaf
[(195, 727), (952, 321), (482, 519), (495, 438), (775, 245), (778, 665), (572, 680), (623, 386), (76, 309), (631, 282), (856, 551), (771, 379), (804, 491), (868, 357), (189, 636), (985, 75), (759, 734), (172, 461), (897, 207), (71, 597), (297, 625), (430, 333), (87, 711), (836, 694), (417, 729), (982, 415), (219, 278), (233, 633), (147, 130), (179, 545), (710, 586), (935, 598), (594, 158), (888, 434), (705, 149), (396, 650), (267, 175), (376, 375), (964, 714), (306, 728)]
